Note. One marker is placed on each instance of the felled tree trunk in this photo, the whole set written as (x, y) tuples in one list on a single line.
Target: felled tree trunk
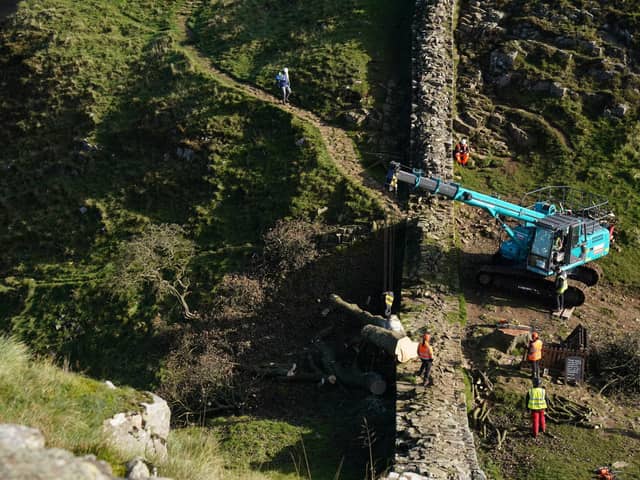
[(351, 308), (385, 339), (351, 376)]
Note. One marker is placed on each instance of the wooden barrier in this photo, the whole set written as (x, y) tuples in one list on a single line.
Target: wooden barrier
[(554, 358)]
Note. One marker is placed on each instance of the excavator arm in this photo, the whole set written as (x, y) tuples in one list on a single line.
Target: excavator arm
[(494, 206)]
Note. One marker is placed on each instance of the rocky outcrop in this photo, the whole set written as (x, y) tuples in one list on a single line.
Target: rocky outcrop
[(142, 433), (23, 457), (527, 62)]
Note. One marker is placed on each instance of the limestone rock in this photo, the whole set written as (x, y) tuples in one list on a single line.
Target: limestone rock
[(23, 457), (141, 433), (18, 436), (137, 469), (501, 61)]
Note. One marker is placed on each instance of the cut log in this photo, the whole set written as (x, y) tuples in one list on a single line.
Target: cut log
[(354, 310), (385, 339), (351, 376)]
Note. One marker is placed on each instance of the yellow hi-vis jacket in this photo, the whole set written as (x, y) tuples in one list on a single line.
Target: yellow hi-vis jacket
[(561, 285), (537, 399)]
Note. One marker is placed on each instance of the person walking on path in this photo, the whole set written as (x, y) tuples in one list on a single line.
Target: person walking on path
[(562, 284), (537, 403), (282, 81), (425, 353), (534, 354)]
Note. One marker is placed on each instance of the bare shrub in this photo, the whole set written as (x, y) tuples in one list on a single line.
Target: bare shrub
[(238, 296), (199, 377), (616, 364), (290, 245), (159, 257)]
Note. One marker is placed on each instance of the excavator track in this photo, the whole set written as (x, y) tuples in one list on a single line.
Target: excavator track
[(589, 275), (528, 285)]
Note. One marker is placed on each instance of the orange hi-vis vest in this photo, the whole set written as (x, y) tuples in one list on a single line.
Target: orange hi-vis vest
[(535, 351), (425, 351)]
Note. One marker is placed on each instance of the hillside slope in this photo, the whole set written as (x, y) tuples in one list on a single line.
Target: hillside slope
[(109, 127), (548, 94)]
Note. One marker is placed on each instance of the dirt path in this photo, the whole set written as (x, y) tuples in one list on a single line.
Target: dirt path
[(338, 144)]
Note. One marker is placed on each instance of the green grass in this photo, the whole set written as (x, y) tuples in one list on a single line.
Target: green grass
[(40, 395), (572, 455), (335, 50), (286, 451)]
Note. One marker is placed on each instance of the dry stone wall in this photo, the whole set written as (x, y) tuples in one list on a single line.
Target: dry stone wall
[(432, 65), (433, 439)]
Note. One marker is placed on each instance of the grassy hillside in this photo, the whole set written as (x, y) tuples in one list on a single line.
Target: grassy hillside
[(108, 127), (567, 75), (335, 49), (38, 394), (348, 60)]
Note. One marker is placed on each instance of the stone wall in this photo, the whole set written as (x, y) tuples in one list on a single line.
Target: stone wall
[(433, 439), (432, 87)]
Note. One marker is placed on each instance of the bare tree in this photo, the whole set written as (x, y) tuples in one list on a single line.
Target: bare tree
[(159, 257)]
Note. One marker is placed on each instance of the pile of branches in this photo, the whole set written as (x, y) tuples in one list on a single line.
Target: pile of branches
[(480, 415), (616, 365), (562, 410)]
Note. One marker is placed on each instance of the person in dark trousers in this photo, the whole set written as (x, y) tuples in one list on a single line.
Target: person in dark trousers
[(425, 353), (534, 354), (562, 284), (537, 403)]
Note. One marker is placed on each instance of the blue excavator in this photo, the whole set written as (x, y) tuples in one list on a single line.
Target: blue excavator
[(560, 230)]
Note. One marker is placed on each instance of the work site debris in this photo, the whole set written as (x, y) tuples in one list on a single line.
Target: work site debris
[(563, 410)]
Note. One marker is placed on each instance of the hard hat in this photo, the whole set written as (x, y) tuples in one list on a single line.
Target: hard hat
[(286, 69), (464, 141), (534, 335)]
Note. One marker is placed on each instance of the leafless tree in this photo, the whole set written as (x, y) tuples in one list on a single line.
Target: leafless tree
[(159, 257)]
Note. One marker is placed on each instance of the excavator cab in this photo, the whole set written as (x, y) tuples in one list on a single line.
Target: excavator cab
[(540, 255), (565, 242)]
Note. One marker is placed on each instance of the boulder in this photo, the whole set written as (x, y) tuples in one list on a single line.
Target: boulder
[(137, 469), (620, 110), (47, 464), (557, 90), (501, 61), (354, 118), (141, 433), (18, 436), (23, 457)]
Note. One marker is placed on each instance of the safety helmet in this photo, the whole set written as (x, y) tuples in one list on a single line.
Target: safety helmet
[(464, 141), (534, 335), (286, 70)]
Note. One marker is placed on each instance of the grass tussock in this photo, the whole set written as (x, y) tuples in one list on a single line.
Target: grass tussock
[(68, 408)]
